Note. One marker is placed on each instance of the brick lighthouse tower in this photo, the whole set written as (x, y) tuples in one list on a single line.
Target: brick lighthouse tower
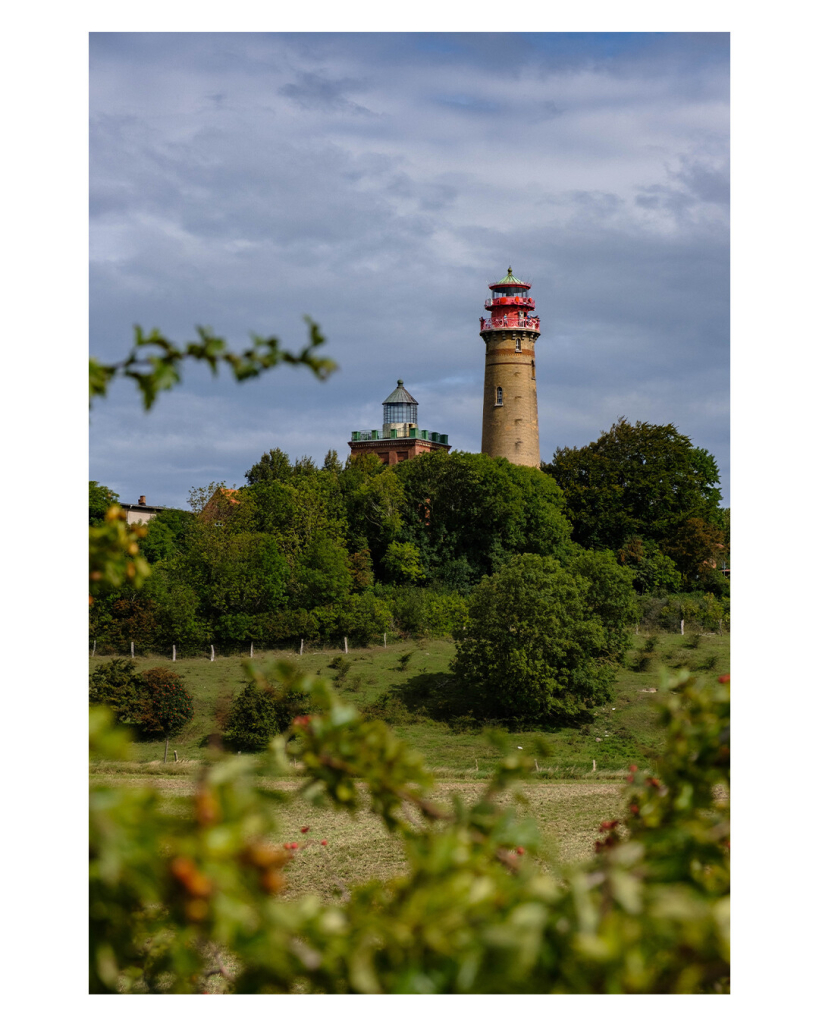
[(509, 388)]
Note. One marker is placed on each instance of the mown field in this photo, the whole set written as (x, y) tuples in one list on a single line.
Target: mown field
[(575, 788)]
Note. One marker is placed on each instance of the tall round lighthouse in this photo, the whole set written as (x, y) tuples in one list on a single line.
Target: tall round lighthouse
[(509, 388)]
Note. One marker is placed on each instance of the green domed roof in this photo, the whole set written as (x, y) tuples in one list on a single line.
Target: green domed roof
[(509, 279)]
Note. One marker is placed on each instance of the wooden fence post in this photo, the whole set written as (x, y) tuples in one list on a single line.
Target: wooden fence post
[(132, 648), (594, 765), (174, 653), (682, 626), (175, 756), (345, 645), (301, 648), (94, 652), (167, 741), (251, 648), (212, 653), (385, 640)]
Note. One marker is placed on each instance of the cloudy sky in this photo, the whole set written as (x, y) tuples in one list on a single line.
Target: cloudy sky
[(378, 183)]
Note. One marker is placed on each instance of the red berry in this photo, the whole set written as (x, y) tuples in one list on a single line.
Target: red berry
[(324, 842), (632, 767), (520, 850), (726, 678), (305, 828)]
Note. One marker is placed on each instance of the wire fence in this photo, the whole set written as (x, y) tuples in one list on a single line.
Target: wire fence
[(244, 649)]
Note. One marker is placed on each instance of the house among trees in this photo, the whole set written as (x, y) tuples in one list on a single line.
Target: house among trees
[(220, 506), (142, 512)]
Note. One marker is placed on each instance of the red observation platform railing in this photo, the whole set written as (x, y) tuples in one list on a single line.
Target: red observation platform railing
[(510, 321)]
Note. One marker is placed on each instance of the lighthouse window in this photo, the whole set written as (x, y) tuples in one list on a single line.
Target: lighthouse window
[(533, 369), (499, 399), (517, 344)]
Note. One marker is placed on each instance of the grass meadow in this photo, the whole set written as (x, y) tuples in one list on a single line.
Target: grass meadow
[(622, 733), (575, 787)]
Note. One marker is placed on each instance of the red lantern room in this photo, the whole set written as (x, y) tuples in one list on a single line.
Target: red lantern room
[(510, 306)]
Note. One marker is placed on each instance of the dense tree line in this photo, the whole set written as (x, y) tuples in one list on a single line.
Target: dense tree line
[(361, 549), (319, 553)]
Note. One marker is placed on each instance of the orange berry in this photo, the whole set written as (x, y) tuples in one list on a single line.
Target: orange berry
[(182, 868)]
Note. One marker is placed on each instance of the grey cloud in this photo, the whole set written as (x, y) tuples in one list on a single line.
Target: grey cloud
[(313, 92), (246, 213)]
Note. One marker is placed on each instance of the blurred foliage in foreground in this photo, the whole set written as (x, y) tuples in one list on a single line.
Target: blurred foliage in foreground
[(180, 902)]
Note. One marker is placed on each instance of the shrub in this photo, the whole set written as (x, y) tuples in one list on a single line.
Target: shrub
[(257, 713), (342, 666), (364, 618), (388, 707), (354, 684), (114, 683)]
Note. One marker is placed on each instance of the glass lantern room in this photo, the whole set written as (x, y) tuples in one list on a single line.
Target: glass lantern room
[(400, 408)]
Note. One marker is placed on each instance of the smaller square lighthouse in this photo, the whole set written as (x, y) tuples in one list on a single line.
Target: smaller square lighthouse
[(399, 438)]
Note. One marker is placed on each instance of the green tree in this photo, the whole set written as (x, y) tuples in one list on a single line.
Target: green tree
[(273, 465), (99, 500), (178, 614), (696, 547), (642, 480), (159, 543), (236, 577), (532, 649), (321, 575), (402, 563), (373, 499), (610, 599), (332, 463), (178, 522), (653, 571), (467, 514)]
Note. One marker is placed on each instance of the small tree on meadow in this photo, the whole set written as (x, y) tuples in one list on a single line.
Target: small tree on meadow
[(256, 714), (252, 719), (163, 706)]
